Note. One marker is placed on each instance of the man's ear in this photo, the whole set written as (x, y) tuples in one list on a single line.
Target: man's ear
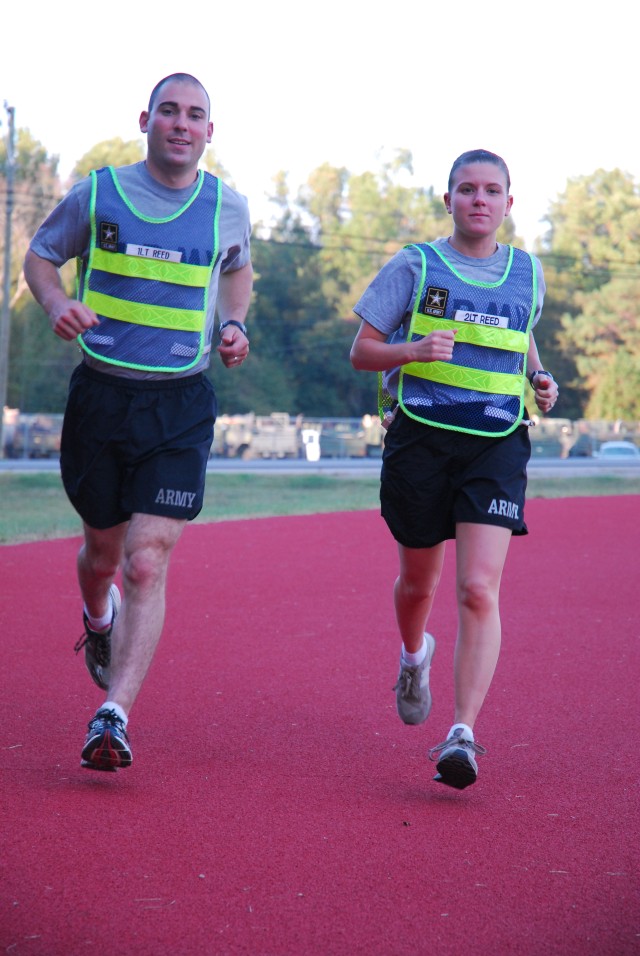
[(144, 121)]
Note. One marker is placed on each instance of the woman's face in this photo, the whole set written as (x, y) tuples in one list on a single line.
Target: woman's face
[(479, 200)]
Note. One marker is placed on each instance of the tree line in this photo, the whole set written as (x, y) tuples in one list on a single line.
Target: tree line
[(315, 257)]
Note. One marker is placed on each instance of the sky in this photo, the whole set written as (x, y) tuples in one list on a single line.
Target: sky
[(551, 86)]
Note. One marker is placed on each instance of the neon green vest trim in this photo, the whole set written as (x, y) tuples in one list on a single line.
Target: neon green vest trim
[(495, 383), (177, 273), (508, 339), (464, 377), (117, 309), (155, 316)]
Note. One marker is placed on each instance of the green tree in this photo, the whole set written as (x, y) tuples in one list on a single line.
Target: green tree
[(608, 327), (362, 220), (110, 152), (40, 362), (314, 260), (36, 190), (593, 260)]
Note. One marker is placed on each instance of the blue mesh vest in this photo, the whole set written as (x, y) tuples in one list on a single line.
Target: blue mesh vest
[(481, 389), (148, 279)]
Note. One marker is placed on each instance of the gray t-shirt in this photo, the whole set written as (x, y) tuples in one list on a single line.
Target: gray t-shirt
[(387, 303), (66, 233)]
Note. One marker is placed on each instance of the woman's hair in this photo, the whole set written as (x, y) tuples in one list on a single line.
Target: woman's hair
[(479, 156), (181, 78)]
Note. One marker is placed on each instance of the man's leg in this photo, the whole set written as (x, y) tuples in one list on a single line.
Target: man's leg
[(98, 562), (148, 544)]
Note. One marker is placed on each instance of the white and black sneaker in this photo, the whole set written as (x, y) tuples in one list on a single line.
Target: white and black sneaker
[(97, 644), (456, 764), (413, 696), (107, 745)]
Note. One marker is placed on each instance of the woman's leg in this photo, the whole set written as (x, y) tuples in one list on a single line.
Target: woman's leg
[(414, 591), (481, 551)]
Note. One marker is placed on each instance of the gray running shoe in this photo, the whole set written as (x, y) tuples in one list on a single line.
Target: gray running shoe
[(413, 697), (456, 762), (106, 746), (97, 644)]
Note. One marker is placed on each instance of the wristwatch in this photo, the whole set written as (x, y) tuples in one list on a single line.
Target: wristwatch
[(238, 325), (538, 371)]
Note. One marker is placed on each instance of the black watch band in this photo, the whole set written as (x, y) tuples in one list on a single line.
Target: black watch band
[(238, 325)]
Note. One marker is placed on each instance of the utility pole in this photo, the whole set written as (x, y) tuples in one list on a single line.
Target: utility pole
[(5, 316)]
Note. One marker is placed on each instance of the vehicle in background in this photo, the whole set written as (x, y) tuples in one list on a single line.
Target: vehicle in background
[(34, 436), (617, 449), (257, 436), (281, 435), (276, 436), (550, 438), (351, 437)]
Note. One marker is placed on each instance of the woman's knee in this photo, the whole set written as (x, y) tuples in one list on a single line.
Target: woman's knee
[(478, 594), (416, 589)]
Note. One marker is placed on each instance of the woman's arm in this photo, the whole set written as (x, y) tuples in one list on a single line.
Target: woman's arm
[(371, 352)]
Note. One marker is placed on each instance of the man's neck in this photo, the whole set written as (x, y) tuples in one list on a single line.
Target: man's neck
[(172, 178)]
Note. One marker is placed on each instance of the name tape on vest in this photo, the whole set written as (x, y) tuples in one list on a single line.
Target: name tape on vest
[(150, 252), (481, 318)]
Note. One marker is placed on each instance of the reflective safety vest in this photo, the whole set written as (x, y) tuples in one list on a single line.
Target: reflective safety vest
[(148, 279), (481, 389)]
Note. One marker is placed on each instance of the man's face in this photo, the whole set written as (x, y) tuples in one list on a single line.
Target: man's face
[(177, 127)]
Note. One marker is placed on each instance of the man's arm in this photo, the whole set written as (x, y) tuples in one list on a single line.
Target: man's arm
[(68, 317)]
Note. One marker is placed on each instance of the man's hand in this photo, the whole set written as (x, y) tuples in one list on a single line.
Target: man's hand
[(234, 347), (70, 318)]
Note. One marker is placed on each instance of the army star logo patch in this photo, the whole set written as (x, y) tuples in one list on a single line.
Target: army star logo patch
[(109, 236), (435, 301)]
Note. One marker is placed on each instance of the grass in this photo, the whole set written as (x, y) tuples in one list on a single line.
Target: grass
[(34, 506)]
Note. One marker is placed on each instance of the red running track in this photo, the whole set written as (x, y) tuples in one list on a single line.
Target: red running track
[(276, 805)]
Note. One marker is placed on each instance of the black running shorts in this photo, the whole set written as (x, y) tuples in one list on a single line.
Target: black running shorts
[(433, 478), (132, 446)]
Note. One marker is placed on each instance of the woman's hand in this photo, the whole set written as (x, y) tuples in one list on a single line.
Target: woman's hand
[(546, 391), (435, 347)]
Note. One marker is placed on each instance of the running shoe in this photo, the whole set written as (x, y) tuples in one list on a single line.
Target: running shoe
[(97, 644), (107, 745), (456, 764), (413, 697)]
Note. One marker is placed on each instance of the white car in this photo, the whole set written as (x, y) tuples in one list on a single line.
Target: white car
[(618, 449)]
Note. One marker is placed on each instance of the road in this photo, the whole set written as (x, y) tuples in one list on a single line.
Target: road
[(362, 467)]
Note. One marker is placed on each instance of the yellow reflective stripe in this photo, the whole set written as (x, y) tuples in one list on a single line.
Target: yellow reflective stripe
[(139, 267), (493, 383), (157, 316), (508, 339)]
